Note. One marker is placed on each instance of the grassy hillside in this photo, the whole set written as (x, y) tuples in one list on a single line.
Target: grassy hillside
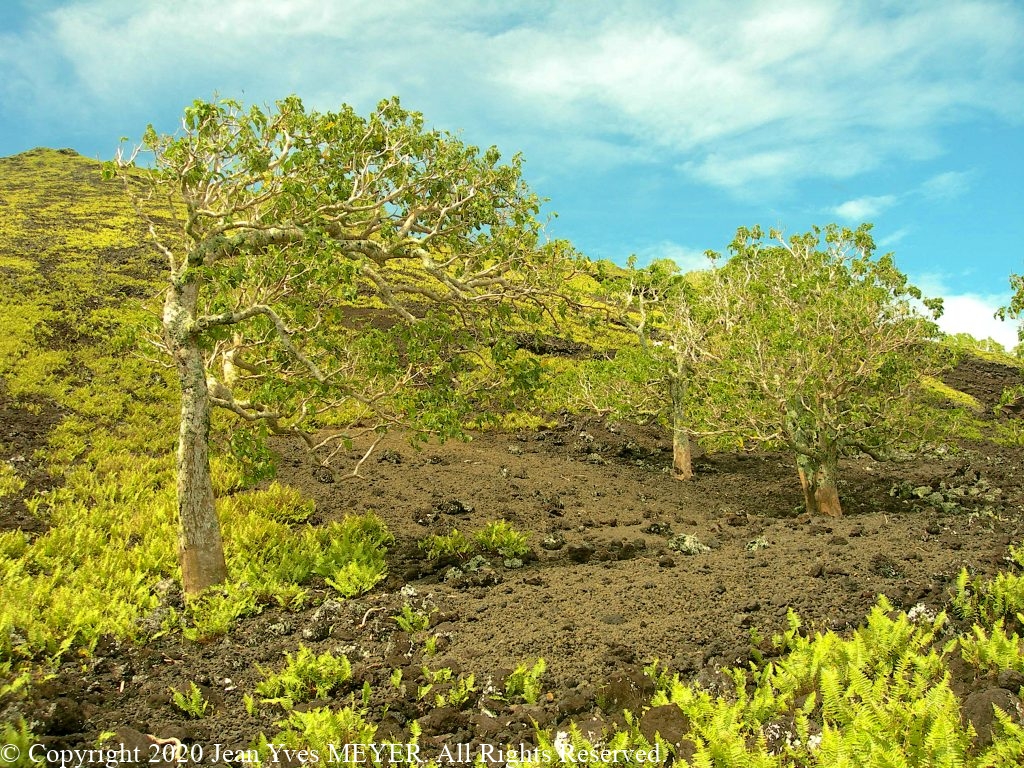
[(94, 493)]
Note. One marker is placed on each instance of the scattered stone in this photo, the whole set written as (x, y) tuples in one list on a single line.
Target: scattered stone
[(452, 507), (580, 553), (1011, 680), (281, 628), (390, 456), (759, 543), (573, 704), (63, 717), (553, 542), (444, 720), (886, 567), (687, 544)]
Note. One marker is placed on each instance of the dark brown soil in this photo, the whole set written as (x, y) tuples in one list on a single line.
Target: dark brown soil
[(604, 595)]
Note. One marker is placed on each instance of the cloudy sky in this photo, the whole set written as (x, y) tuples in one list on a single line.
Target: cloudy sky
[(654, 127)]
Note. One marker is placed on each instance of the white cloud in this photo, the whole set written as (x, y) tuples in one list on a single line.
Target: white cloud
[(891, 239), (968, 312), (864, 208), (974, 314), (746, 96), (947, 186)]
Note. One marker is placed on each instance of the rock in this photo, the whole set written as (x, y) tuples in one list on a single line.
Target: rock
[(625, 689), (978, 710), (64, 716), (553, 542), (132, 741), (323, 475), (580, 553), (453, 507), (281, 628), (666, 561), (1011, 680), (687, 544), (672, 725), (443, 720), (885, 566), (573, 704)]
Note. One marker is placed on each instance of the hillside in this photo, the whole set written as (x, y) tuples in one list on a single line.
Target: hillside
[(608, 584)]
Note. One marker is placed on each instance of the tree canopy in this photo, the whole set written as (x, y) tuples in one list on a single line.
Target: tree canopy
[(811, 342), (331, 270)]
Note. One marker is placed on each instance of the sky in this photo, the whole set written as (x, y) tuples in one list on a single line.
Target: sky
[(654, 128)]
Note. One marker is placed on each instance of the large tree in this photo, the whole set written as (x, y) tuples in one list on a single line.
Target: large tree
[(812, 342), (327, 269)]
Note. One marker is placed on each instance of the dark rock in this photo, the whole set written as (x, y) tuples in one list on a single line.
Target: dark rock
[(1011, 680), (134, 742), (672, 725), (666, 561), (625, 689), (573, 704), (885, 566), (65, 716), (453, 507), (580, 553), (444, 720), (978, 709)]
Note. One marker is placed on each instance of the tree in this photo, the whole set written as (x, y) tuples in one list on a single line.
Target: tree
[(329, 269), (1015, 309), (814, 343), (653, 304)]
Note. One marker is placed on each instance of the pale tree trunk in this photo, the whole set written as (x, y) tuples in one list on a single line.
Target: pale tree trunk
[(682, 453), (200, 548), (818, 478)]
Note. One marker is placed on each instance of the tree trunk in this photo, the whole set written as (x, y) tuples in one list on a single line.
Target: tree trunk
[(682, 453), (200, 548), (818, 478)]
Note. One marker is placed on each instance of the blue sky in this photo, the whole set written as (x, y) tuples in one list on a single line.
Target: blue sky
[(655, 128)]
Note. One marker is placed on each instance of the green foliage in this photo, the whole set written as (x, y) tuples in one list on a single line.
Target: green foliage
[(810, 342), (453, 545), (989, 601), (1015, 309), (305, 677), (502, 538), (214, 612), (411, 620), (20, 736), (192, 704), (324, 732), (993, 651), (525, 682)]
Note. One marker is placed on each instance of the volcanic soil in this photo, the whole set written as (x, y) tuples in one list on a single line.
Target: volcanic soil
[(604, 593)]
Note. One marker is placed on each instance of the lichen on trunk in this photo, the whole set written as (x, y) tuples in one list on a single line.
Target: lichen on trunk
[(200, 547), (682, 453), (818, 478)]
